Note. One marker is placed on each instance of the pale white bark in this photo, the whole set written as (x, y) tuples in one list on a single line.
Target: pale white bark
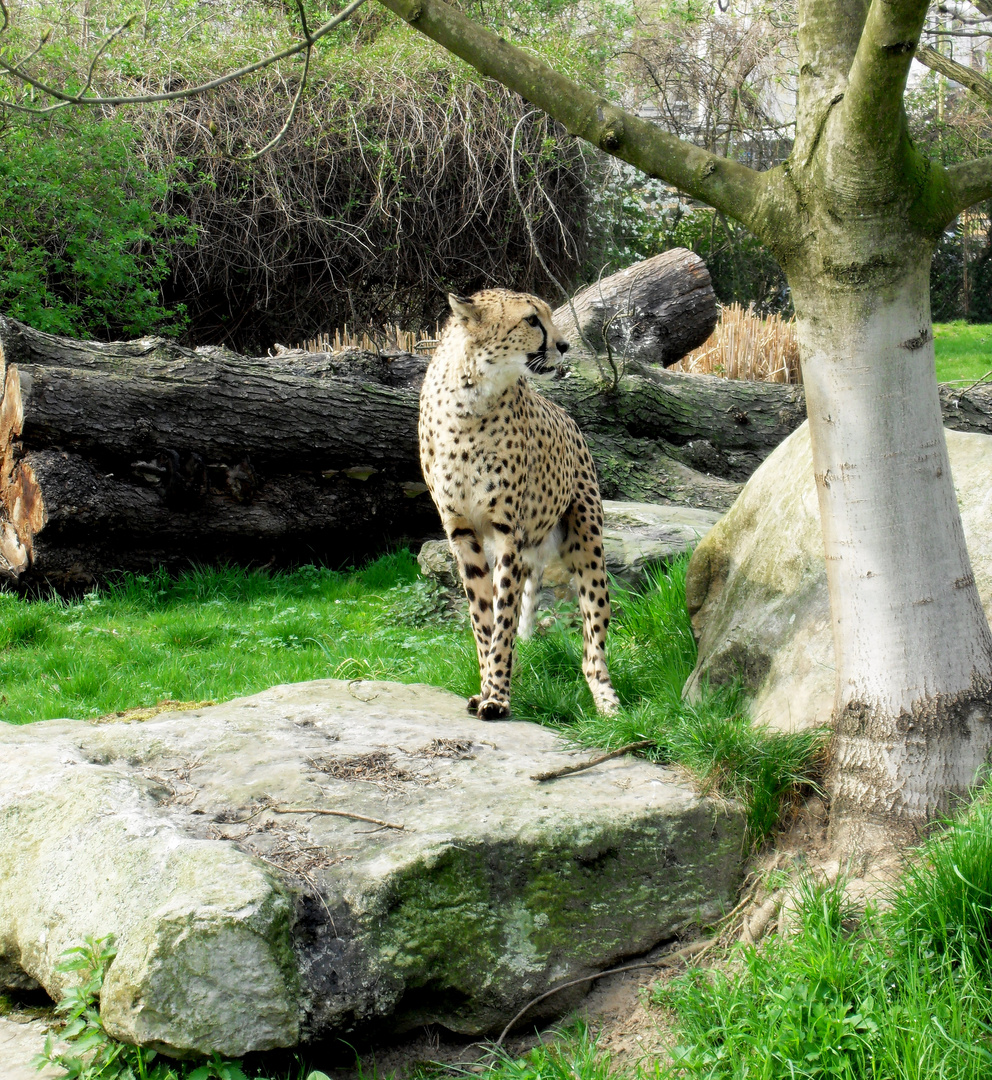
[(913, 647)]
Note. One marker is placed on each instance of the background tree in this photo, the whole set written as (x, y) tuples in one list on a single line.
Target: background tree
[(853, 217)]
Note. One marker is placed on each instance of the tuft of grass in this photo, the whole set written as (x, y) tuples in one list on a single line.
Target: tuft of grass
[(963, 350), (570, 1053), (898, 994), (945, 902)]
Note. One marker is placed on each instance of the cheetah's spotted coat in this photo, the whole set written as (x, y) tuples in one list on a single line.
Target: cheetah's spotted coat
[(513, 481)]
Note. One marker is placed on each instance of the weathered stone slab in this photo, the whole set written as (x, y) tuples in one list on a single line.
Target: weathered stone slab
[(20, 1044), (635, 537), (757, 584), (473, 889)]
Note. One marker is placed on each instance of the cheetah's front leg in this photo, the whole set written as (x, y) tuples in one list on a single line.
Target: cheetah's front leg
[(508, 574), (478, 584)]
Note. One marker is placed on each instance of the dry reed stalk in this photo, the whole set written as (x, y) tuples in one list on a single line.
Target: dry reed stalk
[(747, 346), (389, 339)]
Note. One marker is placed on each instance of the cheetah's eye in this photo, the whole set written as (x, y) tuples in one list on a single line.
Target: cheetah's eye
[(532, 320)]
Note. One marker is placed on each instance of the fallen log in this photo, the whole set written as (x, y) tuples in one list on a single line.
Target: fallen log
[(131, 455), (654, 312)]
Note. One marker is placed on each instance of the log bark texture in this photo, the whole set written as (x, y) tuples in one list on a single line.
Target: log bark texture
[(654, 312)]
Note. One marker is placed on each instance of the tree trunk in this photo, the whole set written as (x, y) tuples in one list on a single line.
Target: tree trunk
[(133, 455), (912, 715), (654, 312)]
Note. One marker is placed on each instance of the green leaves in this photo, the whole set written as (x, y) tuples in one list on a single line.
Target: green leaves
[(78, 217), (218, 1069)]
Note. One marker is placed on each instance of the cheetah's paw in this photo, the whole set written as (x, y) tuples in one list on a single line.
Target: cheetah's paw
[(494, 709)]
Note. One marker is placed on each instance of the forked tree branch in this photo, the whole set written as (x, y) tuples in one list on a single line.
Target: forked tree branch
[(724, 184), (63, 99)]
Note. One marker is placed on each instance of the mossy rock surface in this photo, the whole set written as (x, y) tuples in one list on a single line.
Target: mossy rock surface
[(241, 927)]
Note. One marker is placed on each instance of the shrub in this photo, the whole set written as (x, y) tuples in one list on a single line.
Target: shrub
[(79, 225)]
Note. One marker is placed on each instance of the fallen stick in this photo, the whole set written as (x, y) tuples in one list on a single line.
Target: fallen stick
[(333, 813), (697, 948), (569, 769)]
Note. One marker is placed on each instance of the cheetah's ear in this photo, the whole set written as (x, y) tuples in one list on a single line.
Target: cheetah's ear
[(465, 307)]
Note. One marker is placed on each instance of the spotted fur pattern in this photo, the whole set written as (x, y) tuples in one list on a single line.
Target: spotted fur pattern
[(514, 483)]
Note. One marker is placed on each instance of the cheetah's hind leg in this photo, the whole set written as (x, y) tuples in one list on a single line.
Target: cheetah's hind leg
[(528, 604), (535, 559), (582, 552)]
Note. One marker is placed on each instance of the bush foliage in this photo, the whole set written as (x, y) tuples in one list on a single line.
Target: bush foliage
[(81, 224), (399, 180)]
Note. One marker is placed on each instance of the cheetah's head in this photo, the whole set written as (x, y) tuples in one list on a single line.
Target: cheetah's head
[(514, 332)]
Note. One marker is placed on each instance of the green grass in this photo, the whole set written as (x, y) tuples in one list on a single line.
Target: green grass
[(218, 634), (902, 993), (964, 351)]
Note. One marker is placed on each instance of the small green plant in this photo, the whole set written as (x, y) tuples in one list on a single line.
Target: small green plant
[(83, 1048)]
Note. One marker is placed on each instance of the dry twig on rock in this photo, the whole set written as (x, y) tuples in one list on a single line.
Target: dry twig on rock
[(568, 770)]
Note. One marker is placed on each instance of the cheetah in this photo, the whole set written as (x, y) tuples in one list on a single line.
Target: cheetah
[(514, 482)]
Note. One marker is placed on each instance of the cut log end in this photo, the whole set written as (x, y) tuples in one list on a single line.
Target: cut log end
[(654, 312), (22, 509)]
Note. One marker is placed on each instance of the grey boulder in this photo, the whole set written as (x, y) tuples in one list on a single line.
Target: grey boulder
[(757, 584), (339, 859)]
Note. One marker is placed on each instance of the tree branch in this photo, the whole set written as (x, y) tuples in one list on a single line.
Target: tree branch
[(872, 110), (82, 98), (969, 183), (724, 184), (966, 76)]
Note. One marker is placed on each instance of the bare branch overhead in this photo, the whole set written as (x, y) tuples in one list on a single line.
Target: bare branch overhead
[(966, 76), (725, 184)]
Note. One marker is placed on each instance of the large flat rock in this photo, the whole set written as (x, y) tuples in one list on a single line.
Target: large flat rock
[(473, 889), (757, 583)]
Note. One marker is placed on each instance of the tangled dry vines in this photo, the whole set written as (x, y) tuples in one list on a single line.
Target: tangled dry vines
[(375, 205)]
